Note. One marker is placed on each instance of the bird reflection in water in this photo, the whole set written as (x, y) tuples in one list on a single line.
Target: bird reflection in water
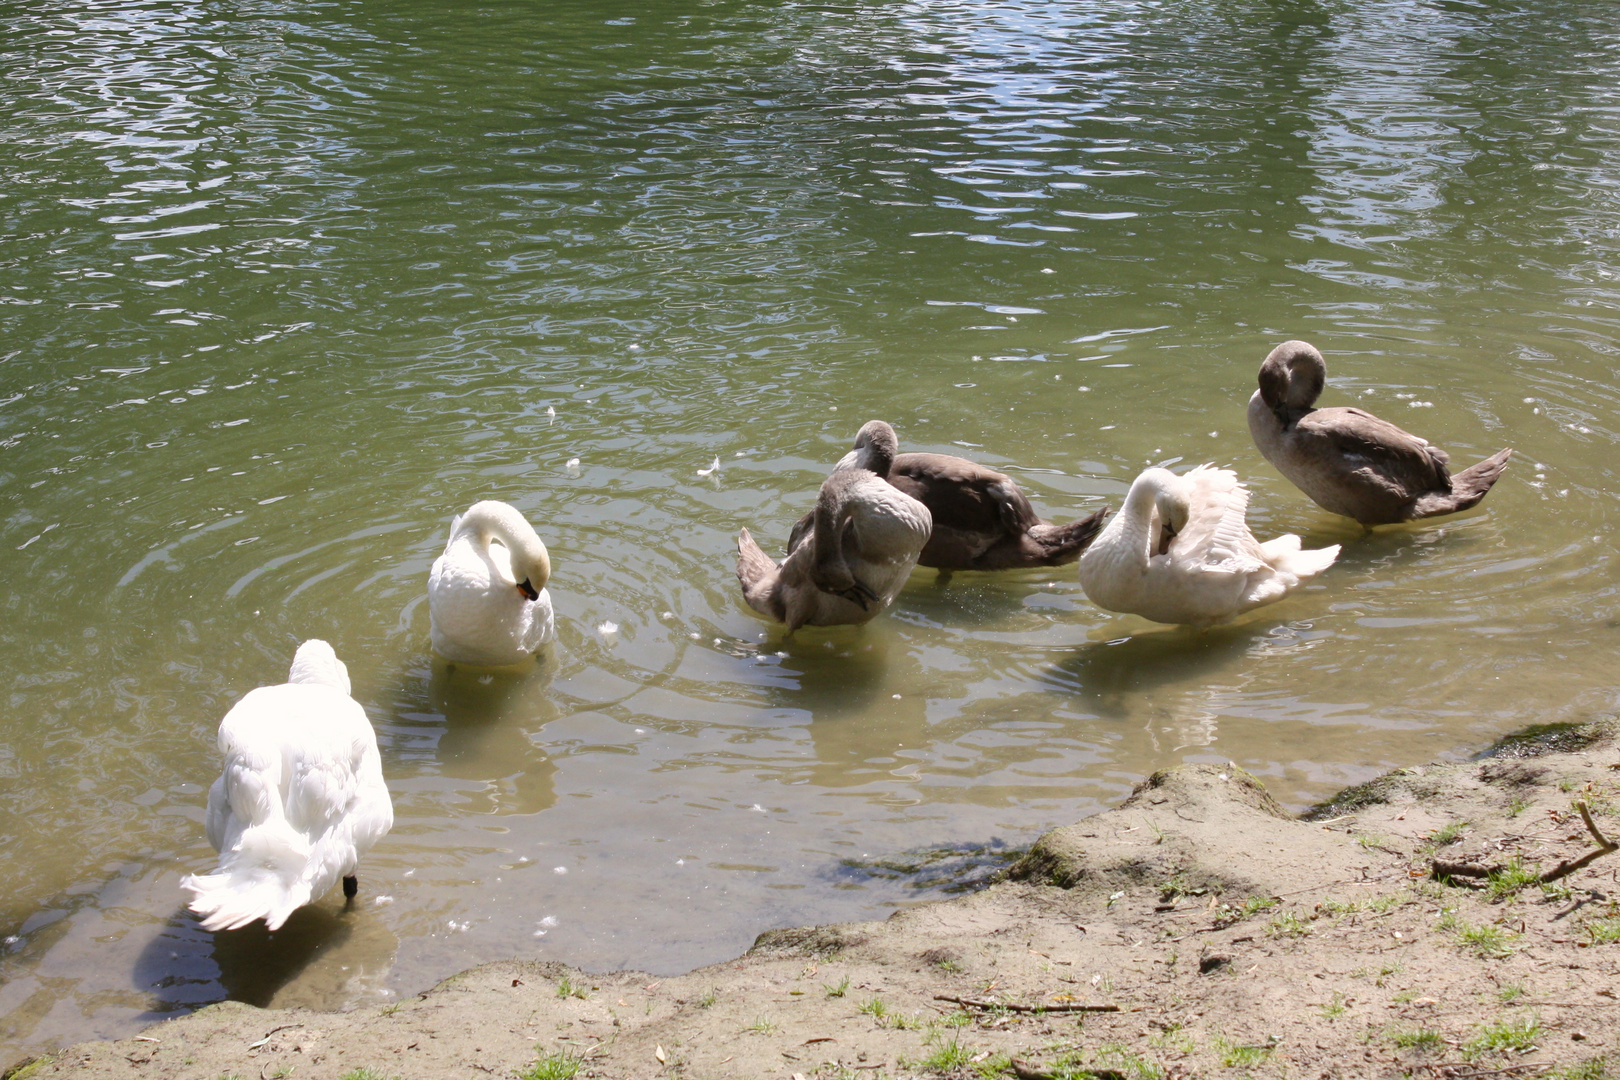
[(492, 723)]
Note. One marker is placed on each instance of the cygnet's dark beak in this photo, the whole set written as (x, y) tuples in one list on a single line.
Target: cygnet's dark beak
[(528, 590)]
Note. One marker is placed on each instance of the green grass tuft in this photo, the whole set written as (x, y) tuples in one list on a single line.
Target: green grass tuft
[(1448, 834), (874, 1008), (1604, 931), (1421, 1039), (559, 1066), (994, 1066), (1592, 1069), (1516, 1033), (1235, 1055), (1507, 881), (1485, 942), (1287, 924), (947, 1057)]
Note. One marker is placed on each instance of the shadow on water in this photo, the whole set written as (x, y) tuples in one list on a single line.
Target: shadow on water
[(968, 600), (325, 956), (1113, 677), (828, 672)]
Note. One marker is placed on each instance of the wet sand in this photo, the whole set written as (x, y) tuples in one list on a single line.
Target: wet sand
[(1195, 930)]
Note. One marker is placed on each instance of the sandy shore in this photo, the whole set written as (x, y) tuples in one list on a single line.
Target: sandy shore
[(1196, 930)]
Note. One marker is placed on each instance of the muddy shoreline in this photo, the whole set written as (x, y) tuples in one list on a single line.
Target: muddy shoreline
[(1195, 930)]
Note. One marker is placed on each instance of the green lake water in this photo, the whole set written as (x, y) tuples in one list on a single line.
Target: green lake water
[(283, 286)]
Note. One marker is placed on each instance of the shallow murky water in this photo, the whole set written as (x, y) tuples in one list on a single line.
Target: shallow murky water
[(280, 292)]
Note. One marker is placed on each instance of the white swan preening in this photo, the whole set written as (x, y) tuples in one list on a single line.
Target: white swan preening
[(300, 800), (1349, 461), (863, 543), (1180, 551), (487, 599)]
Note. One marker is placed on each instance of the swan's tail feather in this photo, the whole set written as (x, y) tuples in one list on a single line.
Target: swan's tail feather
[(759, 575), (262, 877), (1059, 545), (1467, 487), (1287, 556)]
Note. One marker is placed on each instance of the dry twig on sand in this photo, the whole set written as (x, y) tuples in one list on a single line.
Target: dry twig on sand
[(1441, 868), (1061, 1007), (1569, 866)]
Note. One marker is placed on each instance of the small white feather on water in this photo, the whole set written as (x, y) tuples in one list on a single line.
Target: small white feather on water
[(608, 629), (713, 467), (572, 465), (552, 413)]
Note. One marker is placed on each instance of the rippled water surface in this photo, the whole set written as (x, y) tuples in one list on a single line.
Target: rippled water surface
[(284, 285)]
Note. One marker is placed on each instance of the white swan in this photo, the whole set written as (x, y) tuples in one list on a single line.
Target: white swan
[(1180, 551), (302, 797), (487, 599)]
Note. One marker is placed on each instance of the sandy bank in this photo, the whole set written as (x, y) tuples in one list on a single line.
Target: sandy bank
[(1196, 930)]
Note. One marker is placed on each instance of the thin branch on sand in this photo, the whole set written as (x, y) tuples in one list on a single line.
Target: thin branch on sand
[(1061, 1007), (1569, 866)]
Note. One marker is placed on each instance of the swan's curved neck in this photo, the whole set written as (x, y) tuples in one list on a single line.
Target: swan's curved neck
[(487, 521), (1141, 499), (832, 511), (1291, 379), (875, 448), (1135, 517)]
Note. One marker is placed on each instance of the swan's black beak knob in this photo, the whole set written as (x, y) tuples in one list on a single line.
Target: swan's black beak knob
[(528, 590)]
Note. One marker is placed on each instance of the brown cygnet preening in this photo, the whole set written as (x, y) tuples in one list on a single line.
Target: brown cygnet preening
[(982, 521), (1350, 461), (855, 551)]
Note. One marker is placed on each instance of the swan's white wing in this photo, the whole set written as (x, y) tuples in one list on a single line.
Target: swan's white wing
[(251, 780), (542, 625), (218, 821), (371, 814), (321, 782), (455, 530), (1216, 536), (338, 798)]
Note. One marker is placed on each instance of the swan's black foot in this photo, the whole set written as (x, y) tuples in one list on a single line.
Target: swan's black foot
[(351, 886)]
